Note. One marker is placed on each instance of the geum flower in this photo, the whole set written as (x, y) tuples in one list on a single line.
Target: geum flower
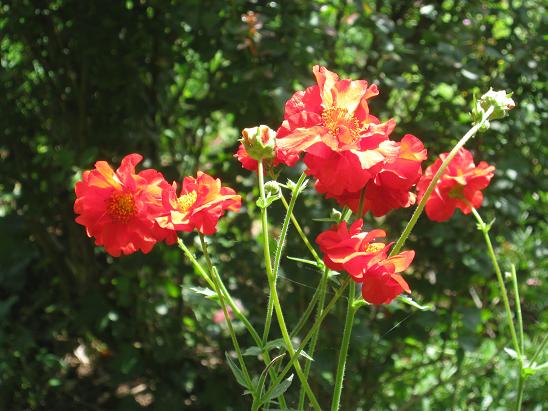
[(459, 186), (366, 261), (199, 206), (331, 123), (349, 248), (392, 185), (119, 208)]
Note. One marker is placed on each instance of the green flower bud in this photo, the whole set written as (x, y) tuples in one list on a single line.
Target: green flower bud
[(499, 99), (272, 189), (259, 142)]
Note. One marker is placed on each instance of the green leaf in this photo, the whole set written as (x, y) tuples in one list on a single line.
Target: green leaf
[(277, 343), (305, 261), (511, 352), (409, 301), (279, 389), (209, 293), (238, 374), (262, 378), (252, 351), (269, 200)]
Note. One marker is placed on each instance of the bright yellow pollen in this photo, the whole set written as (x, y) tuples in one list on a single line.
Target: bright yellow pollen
[(341, 124), (373, 248), (121, 207), (186, 201)]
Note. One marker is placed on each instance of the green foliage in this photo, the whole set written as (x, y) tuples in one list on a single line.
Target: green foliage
[(176, 82)]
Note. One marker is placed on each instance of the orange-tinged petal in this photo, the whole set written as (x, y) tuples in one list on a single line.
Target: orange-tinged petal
[(401, 261)]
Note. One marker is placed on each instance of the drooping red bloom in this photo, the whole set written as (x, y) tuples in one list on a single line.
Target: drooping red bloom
[(392, 185), (119, 208), (459, 186), (199, 206), (348, 248), (366, 261), (381, 282), (331, 123)]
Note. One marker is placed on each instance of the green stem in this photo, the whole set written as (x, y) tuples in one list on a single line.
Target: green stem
[(266, 251), (289, 346), (350, 311), (416, 214), (274, 300), (235, 309), (321, 303), (517, 346), (285, 225), (485, 230), (517, 304), (195, 263), (304, 318), (215, 277), (241, 316), (302, 234), (308, 336)]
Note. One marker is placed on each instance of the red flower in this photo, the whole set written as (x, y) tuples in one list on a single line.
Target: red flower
[(390, 189), (460, 185), (199, 206), (381, 281), (367, 262), (332, 124), (349, 249), (119, 207)]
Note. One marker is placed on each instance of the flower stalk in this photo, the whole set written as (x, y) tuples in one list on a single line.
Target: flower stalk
[(422, 203)]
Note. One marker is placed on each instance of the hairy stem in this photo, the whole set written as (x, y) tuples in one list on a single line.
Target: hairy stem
[(517, 346), (321, 303), (217, 288), (417, 213), (341, 365)]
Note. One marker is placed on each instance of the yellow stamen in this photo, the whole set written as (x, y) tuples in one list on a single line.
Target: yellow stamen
[(121, 207), (186, 201), (341, 124), (374, 247)]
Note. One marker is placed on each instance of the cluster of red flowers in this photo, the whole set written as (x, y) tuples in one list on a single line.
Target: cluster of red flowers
[(366, 260), (347, 150), (460, 185), (126, 211)]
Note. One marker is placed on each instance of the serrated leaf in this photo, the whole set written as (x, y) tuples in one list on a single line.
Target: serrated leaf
[(209, 293), (279, 389), (513, 354), (408, 300), (238, 374), (269, 200)]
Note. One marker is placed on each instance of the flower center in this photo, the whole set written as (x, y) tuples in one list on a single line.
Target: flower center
[(456, 192), (121, 207), (341, 124), (186, 201), (374, 247)]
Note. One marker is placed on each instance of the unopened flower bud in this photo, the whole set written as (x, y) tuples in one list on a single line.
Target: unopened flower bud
[(272, 189), (500, 100), (335, 214), (259, 142)]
